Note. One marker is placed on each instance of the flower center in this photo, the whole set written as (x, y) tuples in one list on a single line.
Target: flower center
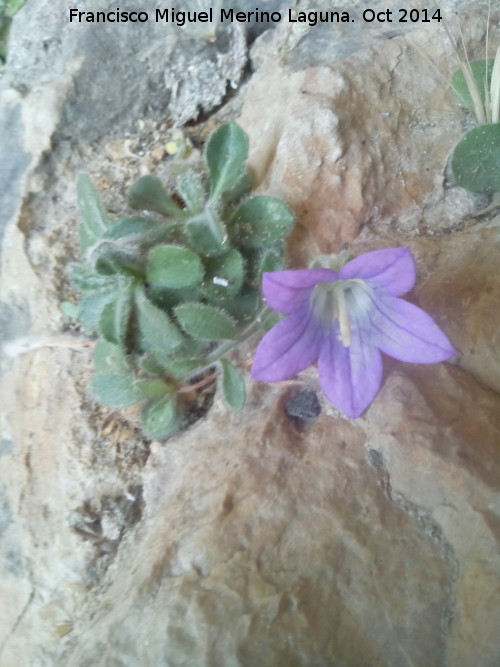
[(331, 303)]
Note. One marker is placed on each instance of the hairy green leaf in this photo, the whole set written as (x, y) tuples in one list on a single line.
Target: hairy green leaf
[(180, 368), (109, 358), (204, 322), (166, 299), (92, 305), (232, 385), (173, 266), (86, 279), (244, 307), (241, 187), (149, 364), (192, 191), (223, 275), (260, 221), (181, 362), (117, 390), (141, 231), (160, 417), (107, 324), (269, 261), (207, 233), (159, 332), (192, 348), (110, 258), (226, 153), (475, 161), (148, 194), (113, 323), (153, 388), (94, 220)]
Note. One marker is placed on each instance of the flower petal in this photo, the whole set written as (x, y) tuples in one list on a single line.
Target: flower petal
[(285, 291), (390, 268), (289, 347), (350, 376), (404, 331)]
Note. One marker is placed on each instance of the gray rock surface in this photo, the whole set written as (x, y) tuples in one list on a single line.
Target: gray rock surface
[(13, 169), (124, 71), (199, 74), (253, 538)]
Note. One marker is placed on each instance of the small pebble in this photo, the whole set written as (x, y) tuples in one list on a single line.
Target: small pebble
[(303, 407)]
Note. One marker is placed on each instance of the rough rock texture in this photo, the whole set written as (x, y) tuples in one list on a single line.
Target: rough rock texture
[(199, 73), (134, 63), (351, 143), (326, 546), (469, 299), (272, 537)]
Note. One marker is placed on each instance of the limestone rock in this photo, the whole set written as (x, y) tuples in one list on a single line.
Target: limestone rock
[(279, 535), (340, 544), (134, 63), (465, 290), (198, 81), (350, 144)]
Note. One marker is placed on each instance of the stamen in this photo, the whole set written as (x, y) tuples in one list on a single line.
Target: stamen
[(330, 303), (343, 316)]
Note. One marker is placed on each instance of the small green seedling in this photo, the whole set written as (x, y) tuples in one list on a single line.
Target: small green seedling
[(475, 161), (172, 291)]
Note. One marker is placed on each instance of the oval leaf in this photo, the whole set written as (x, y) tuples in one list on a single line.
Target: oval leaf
[(117, 390), (159, 332), (476, 159), (226, 153), (204, 322), (223, 275), (173, 266), (260, 221), (148, 194), (233, 385), (109, 358), (160, 417)]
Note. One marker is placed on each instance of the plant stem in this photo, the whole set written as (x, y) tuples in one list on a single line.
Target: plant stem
[(18, 346), (225, 348)]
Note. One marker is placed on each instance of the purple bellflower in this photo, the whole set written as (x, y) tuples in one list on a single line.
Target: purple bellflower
[(343, 320)]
